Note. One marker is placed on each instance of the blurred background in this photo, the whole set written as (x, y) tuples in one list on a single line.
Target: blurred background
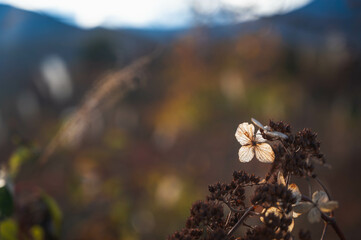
[(131, 167)]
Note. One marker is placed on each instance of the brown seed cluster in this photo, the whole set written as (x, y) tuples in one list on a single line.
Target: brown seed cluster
[(227, 209), (297, 154), (207, 219), (274, 195), (206, 222), (304, 235)]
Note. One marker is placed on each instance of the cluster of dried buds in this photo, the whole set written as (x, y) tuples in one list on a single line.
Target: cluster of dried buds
[(271, 212)]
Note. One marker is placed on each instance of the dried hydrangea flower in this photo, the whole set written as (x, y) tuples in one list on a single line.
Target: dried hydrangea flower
[(293, 188), (320, 203), (278, 213), (267, 130), (253, 143)]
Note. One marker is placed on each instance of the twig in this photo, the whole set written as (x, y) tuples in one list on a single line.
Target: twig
[(324, 231), (237, 210), (234, 228), (231, 208), (254, 184), (323, 186), (228, 218), (245, 224), (324, 189), (289, 153), (309, 187)]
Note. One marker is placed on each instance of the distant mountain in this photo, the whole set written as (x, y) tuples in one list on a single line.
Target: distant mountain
[(19, 26), (329, 9), (320, 20), (27, 38)]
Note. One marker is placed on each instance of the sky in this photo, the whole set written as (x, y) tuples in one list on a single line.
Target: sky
[(145, 13)]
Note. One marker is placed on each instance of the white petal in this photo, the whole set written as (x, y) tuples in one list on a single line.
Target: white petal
[(270, 210), (314, 215), (267, 128), (319, 197), (264, 153), (295, 215), (244, 133), (302, 207), (257, 123), (246, 153), (259, 138), (273, 210), (328, 206), (276, 134), (278, 213), (281, 179)]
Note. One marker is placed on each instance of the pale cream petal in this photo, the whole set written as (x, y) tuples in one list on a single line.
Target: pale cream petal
[(295, 215), (281, 179), (244, 133), (328, 206), (273, 210), (302, 207), (246, 153), (276, 134), (314, 215), (290, 227), (319, 196), (270, 210), (259, 138), (267, 128), (257, 123), (264, 153), (277, 212), (262, 181), (295, 192), (281, 135)]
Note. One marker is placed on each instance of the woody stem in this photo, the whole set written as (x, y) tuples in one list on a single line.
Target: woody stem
[(324, 231), (234, 228)]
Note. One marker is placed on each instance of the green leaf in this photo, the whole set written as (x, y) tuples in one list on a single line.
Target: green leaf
[(55, 212), (6, 203), (37, 232), (19, 157), (8, 230)]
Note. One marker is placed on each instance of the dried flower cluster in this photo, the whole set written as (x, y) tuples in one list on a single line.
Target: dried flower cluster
[(276, 202)]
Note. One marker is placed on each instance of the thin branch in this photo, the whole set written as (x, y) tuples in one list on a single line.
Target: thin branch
[(234, 228), (231, 208), (288, 180), (323, 186), (289, 153), (228, 218), (324, 231), (254, 184), (247, 225), (309, 186), (237, 210)]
